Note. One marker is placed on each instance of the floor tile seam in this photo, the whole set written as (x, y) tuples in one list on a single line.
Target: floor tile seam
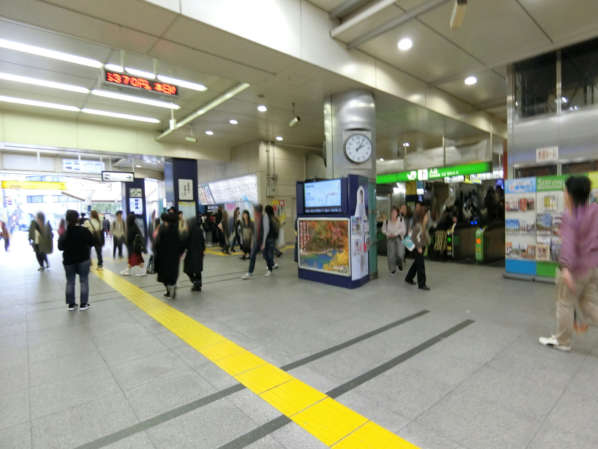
[(545, 419), (352, 432), (29, 385), (168, 309)]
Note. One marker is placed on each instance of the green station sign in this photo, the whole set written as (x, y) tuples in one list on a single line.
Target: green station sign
[(427, 174)]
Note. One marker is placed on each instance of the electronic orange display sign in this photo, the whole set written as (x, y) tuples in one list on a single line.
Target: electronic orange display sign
[(136, 82)]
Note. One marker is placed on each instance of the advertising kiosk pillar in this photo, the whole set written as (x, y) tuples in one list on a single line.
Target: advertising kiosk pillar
[(333, 231)]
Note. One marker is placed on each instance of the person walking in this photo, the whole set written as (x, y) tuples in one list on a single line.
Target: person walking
[(271, 229), (41, 239), (135, 248), (223, 228), (235, 230), (75, 244), (5, 235), (182, 225), (419, 237), (247, 230), (118, 230), (577, 280), (168, 248), (94, 225), (61, 227), (195, 246), (395, 229), (256, 241)]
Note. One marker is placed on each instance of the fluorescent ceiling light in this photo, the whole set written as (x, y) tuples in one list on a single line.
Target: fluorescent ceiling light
[(262, 108), (381, 159), (52, 54), (406, 144), (471, 80), (564, 100), (43, 83), (405, 44), (141, 73), (182, 83), (279, 138), (138, 166), (137, 118), (114, 68), (134, 99), (191, 139), (40, 104), (232, 121), (209, 132)]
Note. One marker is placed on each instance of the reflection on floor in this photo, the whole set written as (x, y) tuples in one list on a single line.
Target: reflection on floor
[(114, 378)]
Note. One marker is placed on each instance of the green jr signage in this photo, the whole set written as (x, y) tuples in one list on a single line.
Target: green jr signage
[(435, 173)]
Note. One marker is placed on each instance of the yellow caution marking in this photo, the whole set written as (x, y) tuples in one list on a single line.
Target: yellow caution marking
[(326, 419)]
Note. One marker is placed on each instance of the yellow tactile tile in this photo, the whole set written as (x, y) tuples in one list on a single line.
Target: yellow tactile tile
[(373, 436), (329, 421), (292, 397), (263, 378)]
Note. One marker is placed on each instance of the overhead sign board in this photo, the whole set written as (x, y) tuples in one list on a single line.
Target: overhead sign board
[(427, 174), (33, 185), (117, 176), (136, 82), (547, 154), (82, 166)]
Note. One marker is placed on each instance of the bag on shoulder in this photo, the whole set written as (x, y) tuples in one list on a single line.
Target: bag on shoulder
[(151, 265), (138, 244)]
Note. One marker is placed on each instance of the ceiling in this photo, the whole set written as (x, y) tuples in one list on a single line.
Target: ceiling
[(494, 34)]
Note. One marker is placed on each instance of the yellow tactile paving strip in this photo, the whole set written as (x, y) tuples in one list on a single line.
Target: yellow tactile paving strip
[(329, 421)]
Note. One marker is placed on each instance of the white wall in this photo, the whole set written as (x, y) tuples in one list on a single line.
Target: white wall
[(62, 132)]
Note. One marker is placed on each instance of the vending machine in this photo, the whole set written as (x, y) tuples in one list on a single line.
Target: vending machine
[(333, 231)]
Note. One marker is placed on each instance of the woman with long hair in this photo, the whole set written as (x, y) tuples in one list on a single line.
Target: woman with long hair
[(235, 230), (168, 248), (41, 239), (135, 247), (247, 230)]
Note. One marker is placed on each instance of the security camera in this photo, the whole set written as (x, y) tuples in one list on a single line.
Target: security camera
[(294, 121), (458, 14)]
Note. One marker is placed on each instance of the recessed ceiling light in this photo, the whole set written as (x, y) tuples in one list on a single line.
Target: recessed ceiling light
[(51, 54), (182, 83), (279, 138), (114, 68), (471, 80), (262, 108), (134, 99), (209, 132), (564, 100), (137, 118), (232, 121), (406, 144), (141, 73), (191, 139), (381, 159), (40, 104), (405, 44), (138, 166), (43, 83)]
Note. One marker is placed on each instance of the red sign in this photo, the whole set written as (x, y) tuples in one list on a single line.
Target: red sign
[(140, 83)]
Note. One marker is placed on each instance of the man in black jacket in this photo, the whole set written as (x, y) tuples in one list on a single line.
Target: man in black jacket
[(75, 244)]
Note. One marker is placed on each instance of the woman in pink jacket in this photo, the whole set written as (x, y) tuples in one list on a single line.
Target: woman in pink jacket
[(578, 277)]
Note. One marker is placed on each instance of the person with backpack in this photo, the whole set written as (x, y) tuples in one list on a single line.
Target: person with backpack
[(94, 225), (75, 244), (577, 280), (395, 229), (195, 246), (41, 239), (135, 248)]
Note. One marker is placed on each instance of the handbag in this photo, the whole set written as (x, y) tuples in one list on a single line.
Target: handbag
[(409, 245)]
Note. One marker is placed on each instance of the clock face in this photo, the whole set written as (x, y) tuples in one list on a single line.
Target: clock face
[(358, 148)]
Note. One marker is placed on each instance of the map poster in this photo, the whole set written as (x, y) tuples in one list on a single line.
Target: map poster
[(324, 245)]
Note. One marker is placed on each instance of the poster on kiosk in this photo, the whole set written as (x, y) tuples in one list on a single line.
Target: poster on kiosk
[(333, 231)]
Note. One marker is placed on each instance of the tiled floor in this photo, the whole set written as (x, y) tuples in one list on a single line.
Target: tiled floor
[(114, 378)]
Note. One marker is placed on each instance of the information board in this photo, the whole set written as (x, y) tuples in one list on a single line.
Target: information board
[(243, 188)]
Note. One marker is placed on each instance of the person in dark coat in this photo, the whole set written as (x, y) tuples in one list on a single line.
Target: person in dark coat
[(168, 248), (195, 245)]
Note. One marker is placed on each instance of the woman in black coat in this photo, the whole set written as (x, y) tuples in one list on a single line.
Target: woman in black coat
[(196, 245), (168, 249)]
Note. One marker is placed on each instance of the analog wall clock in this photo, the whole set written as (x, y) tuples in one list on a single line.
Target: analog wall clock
[(358, 148)]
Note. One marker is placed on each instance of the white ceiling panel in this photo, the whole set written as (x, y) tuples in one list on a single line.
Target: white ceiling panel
[(327, 5), (493, 31), (490, 86), (151, 20), (431, 57), (374, 21), (565, 20)]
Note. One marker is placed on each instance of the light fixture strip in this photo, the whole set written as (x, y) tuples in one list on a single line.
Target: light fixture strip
[(182, 83), (140, 73), (43, 83), (137, 118), (51, 54), (37, 103), (134, 99)]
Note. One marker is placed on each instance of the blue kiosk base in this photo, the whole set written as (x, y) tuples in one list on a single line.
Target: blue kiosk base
[(331, 279)]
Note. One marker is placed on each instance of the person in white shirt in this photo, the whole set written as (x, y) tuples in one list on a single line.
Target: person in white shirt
[(395, 229)]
